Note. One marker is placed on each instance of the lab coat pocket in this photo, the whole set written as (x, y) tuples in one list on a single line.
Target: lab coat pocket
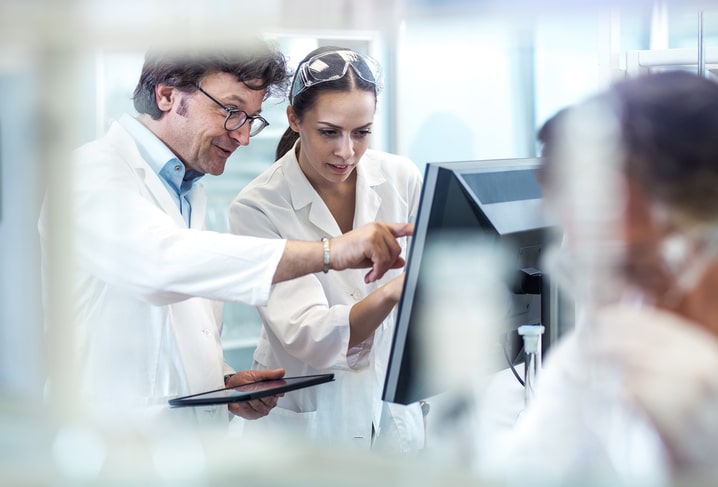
[(284, 423), (302, 424)]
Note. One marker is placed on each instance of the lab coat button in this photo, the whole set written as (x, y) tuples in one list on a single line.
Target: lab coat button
[(206, 332), (356, 294)]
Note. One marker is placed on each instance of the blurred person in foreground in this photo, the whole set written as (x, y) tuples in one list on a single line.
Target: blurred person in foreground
[(149, 276), (631, 395), (326, 182)]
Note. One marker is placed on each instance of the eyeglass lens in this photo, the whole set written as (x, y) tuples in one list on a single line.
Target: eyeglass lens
[(334, 65), (237, 118)]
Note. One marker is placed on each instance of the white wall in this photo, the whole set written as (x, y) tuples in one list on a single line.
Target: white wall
[(455, 91)]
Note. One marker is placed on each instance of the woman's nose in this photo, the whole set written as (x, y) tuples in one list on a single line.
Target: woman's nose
[(346, 148)]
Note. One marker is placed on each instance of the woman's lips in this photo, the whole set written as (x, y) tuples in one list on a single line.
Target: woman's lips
[(340, 167)]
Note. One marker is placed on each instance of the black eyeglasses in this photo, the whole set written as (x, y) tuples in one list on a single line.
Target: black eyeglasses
[(236, 117)]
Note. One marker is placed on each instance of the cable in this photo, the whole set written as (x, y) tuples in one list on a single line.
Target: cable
[(511, 365)]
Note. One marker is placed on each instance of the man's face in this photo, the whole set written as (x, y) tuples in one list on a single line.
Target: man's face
[(193, 127)]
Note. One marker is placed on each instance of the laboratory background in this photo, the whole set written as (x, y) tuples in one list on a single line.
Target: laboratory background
[(465, 80)]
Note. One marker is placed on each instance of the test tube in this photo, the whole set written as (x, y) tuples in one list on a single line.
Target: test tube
[(531, 335)]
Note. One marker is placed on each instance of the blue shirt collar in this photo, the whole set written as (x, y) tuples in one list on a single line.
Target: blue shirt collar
[(162, 160)]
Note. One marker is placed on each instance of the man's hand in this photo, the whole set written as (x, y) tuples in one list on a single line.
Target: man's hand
[(372, 245), (257, 408)]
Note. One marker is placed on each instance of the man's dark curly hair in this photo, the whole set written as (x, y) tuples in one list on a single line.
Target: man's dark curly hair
[(257, 63)]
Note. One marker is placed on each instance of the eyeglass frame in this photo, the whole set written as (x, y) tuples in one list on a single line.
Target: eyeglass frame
[(306, 83), (231, 111)]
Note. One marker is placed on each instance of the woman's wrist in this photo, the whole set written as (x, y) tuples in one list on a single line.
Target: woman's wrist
[(326, 253)]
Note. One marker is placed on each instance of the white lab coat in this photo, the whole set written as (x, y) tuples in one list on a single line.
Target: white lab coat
[(146, 323), (306, 321)]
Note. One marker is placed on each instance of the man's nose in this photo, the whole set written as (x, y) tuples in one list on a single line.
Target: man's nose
[(241, 134)]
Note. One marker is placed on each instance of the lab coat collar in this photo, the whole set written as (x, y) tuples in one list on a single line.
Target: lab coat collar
[(369, 177), (368, 201), (123, 142), (303, 194), (301, 190)]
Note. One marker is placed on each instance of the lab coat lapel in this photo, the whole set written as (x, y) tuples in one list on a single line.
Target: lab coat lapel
[(368, 200), (320, 216), (303, 195), (125, 144), (161, 195)]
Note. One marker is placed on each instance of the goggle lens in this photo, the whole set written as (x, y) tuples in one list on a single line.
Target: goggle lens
[(333, 65)]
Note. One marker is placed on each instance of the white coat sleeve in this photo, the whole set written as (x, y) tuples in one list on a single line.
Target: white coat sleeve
[(297, 311), (124, 238)]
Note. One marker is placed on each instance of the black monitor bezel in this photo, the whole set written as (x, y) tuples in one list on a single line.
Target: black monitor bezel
[(394, 385)]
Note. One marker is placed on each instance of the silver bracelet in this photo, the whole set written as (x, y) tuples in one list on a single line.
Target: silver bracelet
[(325, 242)]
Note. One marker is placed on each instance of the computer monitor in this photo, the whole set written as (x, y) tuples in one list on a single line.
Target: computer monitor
[(501, 199)]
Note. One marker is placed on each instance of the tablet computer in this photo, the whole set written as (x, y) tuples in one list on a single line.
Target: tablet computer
[(252, 390)]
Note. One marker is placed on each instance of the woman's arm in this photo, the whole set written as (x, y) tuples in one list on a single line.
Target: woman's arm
[(366, 315)]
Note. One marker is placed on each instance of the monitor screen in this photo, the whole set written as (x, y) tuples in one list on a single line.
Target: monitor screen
[(501, 200)]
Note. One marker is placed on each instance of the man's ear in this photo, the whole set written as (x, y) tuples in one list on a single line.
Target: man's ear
[(292, 118), (165, 96)]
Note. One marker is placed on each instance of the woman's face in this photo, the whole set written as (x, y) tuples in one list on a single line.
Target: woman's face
[(334, 134)]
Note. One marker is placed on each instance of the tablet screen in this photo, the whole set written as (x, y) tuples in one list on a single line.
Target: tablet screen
[(253, 390)]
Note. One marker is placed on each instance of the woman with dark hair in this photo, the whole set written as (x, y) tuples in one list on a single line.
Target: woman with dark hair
[(326, 182)]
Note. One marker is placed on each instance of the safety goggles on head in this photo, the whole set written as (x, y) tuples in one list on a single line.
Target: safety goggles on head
[(333, 65)]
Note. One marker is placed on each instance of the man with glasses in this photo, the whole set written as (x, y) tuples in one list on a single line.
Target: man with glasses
[(148, 275)]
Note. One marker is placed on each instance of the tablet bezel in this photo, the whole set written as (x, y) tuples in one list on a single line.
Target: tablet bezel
[(208, 398)]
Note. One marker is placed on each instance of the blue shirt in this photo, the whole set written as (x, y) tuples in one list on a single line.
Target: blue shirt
[(162, 160)]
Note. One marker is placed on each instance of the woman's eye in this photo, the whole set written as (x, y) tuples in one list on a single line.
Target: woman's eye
[(364, 133), (327, 132)]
